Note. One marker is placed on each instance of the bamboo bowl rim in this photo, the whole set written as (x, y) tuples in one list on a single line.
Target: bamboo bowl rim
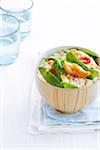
[(50, 52)]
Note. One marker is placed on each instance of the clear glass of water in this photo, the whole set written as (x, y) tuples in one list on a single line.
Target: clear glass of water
[(9, 39), (22, 10)]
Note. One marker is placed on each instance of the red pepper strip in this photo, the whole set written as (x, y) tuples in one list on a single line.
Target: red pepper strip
[(75, 76), (52, 71), (85, 60)]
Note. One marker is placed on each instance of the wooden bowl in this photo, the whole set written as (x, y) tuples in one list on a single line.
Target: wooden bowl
[(65, 100)]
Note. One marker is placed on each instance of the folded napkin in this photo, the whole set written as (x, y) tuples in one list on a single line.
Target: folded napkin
[(45, 119), (88, 116)]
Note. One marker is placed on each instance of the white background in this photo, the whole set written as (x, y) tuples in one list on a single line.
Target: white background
[(55, 22)]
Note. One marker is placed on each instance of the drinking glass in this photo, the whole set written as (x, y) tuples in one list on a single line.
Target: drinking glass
[(9, 39), (22, 10)]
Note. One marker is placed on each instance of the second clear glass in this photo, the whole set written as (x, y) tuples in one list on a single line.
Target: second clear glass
[(22, 10)]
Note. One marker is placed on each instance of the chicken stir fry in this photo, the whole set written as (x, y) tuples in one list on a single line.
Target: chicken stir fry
[(71, 68)]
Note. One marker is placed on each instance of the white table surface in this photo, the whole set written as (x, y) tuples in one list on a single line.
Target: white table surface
[(63, 22)]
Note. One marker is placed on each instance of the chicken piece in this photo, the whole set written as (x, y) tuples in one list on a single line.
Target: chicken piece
[(75, 69)]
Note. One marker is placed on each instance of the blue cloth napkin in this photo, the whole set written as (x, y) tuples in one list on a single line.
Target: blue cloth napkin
[(88, 116)]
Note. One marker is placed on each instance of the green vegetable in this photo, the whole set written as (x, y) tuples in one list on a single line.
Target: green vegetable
[(70, 57), (94, 74), (68, 85), (49, 77), (58, 70), (58, 60), (89, 52), (57, 66)]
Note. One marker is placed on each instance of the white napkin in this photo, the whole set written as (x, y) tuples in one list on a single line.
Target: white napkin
[(44, 119)]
